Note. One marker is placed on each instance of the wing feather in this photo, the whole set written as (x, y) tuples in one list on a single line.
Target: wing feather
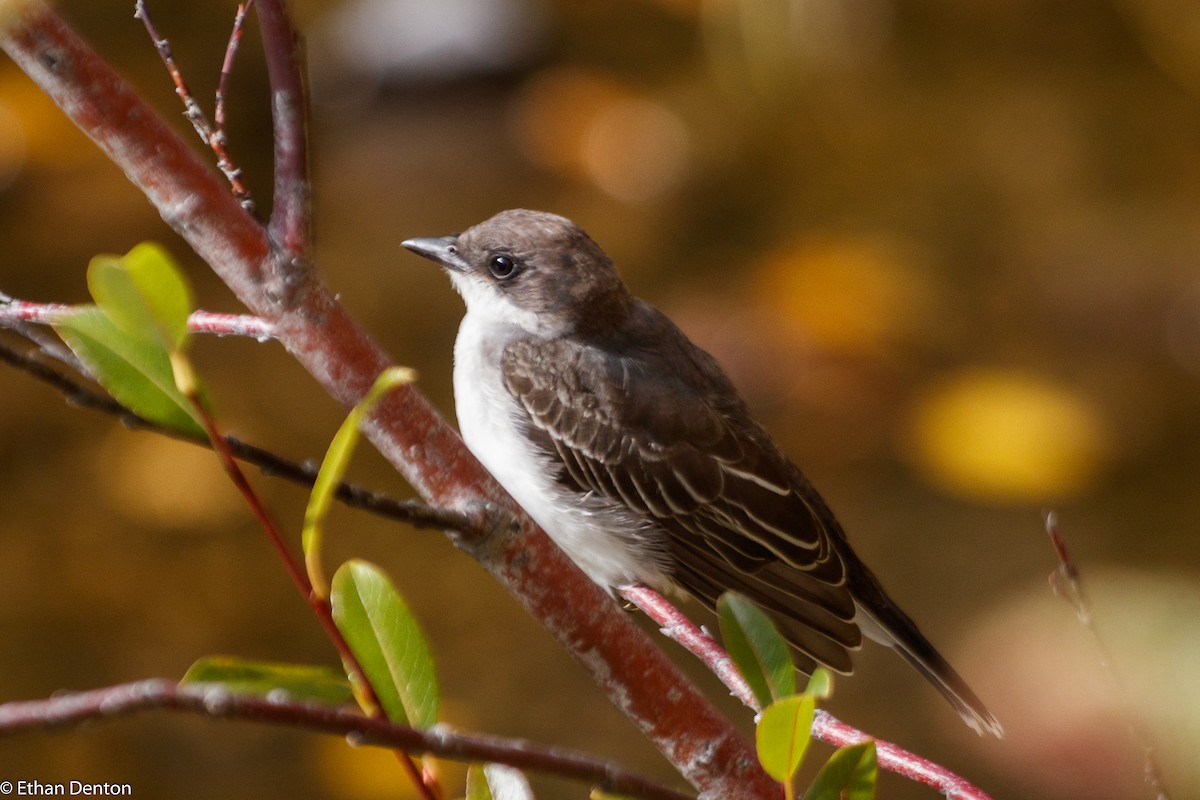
[(656, 438)]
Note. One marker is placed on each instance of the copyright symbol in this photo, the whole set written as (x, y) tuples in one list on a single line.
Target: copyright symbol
[(5, 787)]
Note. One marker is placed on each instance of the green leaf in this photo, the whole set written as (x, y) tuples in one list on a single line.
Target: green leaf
[(136, 373), (477, 785), (300, 681), (783, 734), (145, 294), (600, 794), (754, 644), (820, 684), (388, 643), (333, 467), (849, 774), (498, 781)]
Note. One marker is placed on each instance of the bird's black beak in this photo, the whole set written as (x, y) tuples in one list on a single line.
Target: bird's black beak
[(442, 249)]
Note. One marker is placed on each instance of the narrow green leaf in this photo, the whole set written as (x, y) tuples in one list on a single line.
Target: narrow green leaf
[(600, 794), (300, 681), (333, 467), (477, 785), (783, 734), (849, 774), (820, 684), (145, 294), (388, 643), (136, 373), (757, 648), (497, 782)]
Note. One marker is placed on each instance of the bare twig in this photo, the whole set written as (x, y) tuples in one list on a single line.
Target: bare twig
[(13, 311), (215, 139), (191, 109), (896, 759), (51, 346), (231, 325), (77, 393), (290, 227), (214, 701), (676, 626), (235, 39), (1066, 582), (825, 727)]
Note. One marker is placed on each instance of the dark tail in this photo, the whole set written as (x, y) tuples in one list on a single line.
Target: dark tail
[(882, 621)]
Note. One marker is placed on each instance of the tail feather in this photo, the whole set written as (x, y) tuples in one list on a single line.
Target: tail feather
[(891, 627)]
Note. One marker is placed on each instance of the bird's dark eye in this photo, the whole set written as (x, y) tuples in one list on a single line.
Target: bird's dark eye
[(503, 267)]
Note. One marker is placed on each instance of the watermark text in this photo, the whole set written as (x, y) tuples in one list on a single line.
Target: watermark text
[(35, 788)]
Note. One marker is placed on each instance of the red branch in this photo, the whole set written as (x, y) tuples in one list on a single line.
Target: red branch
[(198, 322), (235, 40), (896, 759), (675, 625), (825, 727), (318, 332), (291, 225)]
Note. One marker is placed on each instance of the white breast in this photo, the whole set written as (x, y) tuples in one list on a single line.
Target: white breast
[(610, 544)]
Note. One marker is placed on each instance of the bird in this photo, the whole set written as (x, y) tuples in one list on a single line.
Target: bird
[(633, 450)]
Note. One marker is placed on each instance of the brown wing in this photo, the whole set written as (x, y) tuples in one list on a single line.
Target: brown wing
[(669, 438)]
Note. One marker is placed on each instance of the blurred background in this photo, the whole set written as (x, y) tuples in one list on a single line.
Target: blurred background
[(948, 251)]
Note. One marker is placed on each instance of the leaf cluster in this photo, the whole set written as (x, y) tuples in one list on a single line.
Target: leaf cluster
[(785, 725)]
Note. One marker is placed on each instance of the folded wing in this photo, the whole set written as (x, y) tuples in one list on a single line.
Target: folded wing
[(735, 512)]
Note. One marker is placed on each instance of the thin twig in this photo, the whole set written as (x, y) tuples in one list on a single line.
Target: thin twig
[(231, 49), (214, 701), (896, 759), (13, 310), (231, 325), (1066, 582), (319, 605), (194, 113), (676, 626), (825, 727), (220, 138), (412, 512), (48, 344), (191, 109), (290, 226), (235, 39)]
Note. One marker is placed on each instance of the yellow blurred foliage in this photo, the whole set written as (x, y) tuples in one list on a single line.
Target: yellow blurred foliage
[(841, 293), (163, 481), (368, 773), (1006, 436), (36, 130), (590, 127), (12, 145), (360, 773)]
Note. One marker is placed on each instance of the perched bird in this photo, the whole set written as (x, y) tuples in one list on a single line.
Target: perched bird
[(631, 448)]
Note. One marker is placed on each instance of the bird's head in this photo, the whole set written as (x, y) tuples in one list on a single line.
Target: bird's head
[(538, 271)]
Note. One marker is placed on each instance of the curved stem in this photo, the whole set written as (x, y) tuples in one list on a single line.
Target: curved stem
[(213, 701)]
